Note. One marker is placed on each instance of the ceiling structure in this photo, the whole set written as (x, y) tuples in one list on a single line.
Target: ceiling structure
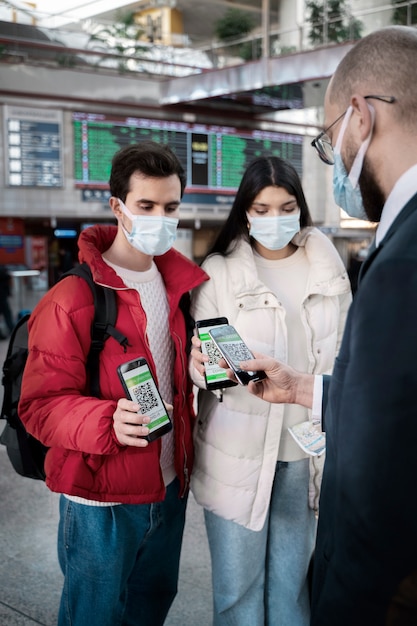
[(278, 94), (253, 90), (199, 16), (281, 90)]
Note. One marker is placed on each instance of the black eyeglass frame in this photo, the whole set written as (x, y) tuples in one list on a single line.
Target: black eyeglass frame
[(316, 141)]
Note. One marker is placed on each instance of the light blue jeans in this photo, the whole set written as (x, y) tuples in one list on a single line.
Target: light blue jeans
[(120, 562), (260, 578)]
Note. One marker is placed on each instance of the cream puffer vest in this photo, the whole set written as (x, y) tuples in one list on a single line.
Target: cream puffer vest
[(237, 440)]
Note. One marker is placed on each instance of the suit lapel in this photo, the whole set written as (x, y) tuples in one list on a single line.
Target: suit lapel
[(373, 251)]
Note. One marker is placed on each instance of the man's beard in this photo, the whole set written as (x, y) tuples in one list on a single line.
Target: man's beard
[(372, 196)]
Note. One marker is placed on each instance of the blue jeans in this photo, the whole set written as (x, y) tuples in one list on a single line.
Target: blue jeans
[(120, 562), (260, 578)]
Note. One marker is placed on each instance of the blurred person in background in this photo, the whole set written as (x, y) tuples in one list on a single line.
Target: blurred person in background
[(5, 292)]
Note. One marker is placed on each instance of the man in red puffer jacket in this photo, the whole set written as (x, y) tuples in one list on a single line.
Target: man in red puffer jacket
[(122, 508)]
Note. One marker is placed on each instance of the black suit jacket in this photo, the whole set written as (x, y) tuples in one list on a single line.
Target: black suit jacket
[(367, 532)]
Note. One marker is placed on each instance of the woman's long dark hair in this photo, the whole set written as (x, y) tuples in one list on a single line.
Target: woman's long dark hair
[(260, 173)]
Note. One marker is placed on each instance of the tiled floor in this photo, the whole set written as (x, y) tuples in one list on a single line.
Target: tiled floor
[(29, 573)]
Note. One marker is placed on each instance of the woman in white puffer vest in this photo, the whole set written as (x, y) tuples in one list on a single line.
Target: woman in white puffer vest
[(282, 284)]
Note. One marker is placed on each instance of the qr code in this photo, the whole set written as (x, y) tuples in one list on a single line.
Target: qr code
[(237, 352), (213, 353), (145, 397)]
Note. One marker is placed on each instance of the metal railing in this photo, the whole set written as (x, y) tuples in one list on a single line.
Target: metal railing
[(169, 61), (156, 61), (282, 42)]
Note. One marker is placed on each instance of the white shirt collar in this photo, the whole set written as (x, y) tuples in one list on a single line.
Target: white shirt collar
[(404, 189)]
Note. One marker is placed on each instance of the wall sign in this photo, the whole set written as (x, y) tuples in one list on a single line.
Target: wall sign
[(33, 140), (214, 157)]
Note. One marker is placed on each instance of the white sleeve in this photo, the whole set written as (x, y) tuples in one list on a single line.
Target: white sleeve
[(317, 399)]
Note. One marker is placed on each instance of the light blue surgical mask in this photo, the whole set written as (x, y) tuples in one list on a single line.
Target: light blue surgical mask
[(274, 233), (346, 191), (151, 234)]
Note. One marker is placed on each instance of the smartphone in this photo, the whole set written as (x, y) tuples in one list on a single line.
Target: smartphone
[(216, 377), (140, 386), (234, 350)]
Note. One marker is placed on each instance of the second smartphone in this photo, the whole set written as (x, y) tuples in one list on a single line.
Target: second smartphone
[(216, 377), (234, 350), (140, 386)]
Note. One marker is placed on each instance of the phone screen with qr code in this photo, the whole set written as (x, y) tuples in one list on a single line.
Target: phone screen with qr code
[(234, 350), (140, 386), (216, 377)]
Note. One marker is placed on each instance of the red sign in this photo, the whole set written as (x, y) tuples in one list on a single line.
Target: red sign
[(12, 241)]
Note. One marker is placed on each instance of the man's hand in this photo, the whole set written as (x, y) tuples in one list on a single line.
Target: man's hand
[(127, 424), (283, 384)]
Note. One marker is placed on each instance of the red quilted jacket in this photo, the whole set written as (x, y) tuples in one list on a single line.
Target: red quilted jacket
[(85, 458)]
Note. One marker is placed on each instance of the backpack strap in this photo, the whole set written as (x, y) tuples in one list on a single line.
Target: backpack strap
[(184, 305), (103, 326), (13, 367)]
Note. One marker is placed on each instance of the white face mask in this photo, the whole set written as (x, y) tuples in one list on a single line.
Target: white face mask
[(151, 234), (346, 186), (274, 233)]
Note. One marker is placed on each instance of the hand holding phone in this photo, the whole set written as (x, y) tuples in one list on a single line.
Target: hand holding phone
[(140, 387), (129, 425), (215, 376), (234, 350)]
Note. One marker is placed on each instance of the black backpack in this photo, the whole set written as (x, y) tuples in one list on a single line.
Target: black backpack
[(26, 453)]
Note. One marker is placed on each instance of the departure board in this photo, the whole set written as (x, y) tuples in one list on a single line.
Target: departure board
[(214, 157), (33, 147)]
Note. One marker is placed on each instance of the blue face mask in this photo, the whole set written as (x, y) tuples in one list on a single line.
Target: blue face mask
[(274, 233), (151, 234), (345, 186)]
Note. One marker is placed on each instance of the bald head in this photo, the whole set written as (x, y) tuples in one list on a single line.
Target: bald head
[(383, 63)]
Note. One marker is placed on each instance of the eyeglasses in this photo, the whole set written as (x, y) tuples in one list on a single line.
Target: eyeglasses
[(322, 143)]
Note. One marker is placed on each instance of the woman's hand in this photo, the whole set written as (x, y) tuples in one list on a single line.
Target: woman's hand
[(197, 357)]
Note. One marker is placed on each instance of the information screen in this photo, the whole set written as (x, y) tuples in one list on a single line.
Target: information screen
[(33, 147), (213, 157)]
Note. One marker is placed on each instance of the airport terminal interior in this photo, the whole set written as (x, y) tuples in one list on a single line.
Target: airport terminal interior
[(221, 82)]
